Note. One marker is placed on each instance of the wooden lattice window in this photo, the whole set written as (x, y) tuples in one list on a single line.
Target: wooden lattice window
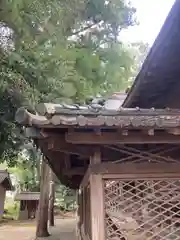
[(142, 209)]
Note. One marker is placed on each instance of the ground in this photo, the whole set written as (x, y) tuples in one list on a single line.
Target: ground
[(64, 230)]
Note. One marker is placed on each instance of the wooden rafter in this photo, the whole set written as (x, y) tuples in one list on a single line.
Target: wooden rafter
[(116, 138), (58, 144)]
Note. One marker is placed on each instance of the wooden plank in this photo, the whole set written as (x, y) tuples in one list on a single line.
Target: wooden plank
[(138, 176), (140, 168), (116, 138), (60, 145), (97, 207)]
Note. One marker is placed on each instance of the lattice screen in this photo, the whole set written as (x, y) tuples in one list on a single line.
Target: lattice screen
[(142, 210)]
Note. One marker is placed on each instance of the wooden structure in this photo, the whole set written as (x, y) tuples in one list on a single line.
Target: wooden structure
[(5, 185), (124, 160), (28, 204)]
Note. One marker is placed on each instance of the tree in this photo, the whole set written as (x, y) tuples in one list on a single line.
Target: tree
[(139, 51), (27, 169), (51, 199), (42, 227), (58, 51), (65, 198)]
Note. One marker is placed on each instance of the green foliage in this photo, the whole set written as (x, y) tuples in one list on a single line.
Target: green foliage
[(27, 170), (11, 210), (65, 198), (56, 51)]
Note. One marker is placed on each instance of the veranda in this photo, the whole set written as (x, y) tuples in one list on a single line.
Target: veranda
[(125, 164)]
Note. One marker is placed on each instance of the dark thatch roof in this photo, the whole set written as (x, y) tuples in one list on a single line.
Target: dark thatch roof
[(157, 84)]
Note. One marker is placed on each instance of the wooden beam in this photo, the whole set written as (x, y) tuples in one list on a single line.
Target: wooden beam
[(132, 170), (174, 131), (116, 138), (58, 144), (74, 171), (32, 132)]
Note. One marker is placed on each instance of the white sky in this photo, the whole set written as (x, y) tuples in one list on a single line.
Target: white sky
[(151, 15)]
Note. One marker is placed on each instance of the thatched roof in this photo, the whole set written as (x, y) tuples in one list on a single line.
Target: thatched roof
[(157, 84)]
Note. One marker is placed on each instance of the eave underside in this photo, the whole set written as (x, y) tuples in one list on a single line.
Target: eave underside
[(69, 139), (69, 153)]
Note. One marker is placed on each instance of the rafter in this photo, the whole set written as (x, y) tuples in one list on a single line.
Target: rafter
[(58, 144), (116, 138)]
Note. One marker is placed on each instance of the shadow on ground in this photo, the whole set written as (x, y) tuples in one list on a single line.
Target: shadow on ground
[(64, 230)]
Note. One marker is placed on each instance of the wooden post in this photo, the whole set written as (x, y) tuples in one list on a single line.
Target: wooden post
[(96, 158), (51, 199), (97, 202), (42, 220)]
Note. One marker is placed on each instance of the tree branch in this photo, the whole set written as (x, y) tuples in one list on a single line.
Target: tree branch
[(85, 29)]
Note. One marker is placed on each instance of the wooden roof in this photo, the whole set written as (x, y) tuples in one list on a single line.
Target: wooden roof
[(157, 84), (5, 180), (28, 196), (69, 135), (58, 116)]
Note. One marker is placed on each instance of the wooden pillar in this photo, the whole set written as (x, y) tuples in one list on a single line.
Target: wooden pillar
[(97, 202), (42, 221)]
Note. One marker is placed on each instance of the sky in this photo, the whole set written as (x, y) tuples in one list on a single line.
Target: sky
[(151, 15)]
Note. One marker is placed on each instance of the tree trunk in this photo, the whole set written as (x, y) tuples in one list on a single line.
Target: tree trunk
[(42, 223), (38, 163), (51, 199)]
